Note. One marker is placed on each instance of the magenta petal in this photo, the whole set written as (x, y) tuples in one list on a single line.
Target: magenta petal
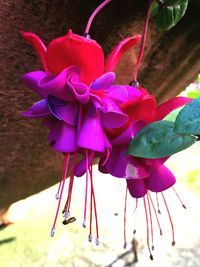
[(126, 136), (155, 162), (136, 187), (116, 163), (61, 110), (160, 179), (62, 137), (79, 90), (91, 135), (57, 85), (104, 82), (38, 110), (112, 116), (32, 79), (136, 169), (81, 165)]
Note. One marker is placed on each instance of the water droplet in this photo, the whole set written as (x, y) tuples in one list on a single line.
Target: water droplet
[(66, 214), (87, 36), (134, 84), (53, 231), (57, 196)]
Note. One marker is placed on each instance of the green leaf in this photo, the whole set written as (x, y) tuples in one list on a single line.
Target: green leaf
[(168, 15), (188, 120), (158, 140)]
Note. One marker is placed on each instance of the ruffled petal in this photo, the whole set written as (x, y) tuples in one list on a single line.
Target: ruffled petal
[(119, 50), (103, 82), (92, 135), (116, 163), (76, 50), (136, 187), (164, 109), (38, 45), (62, 137), (112, 116), (160, 179), (32, 79), (128, 134), (61, 110), (38, 110)]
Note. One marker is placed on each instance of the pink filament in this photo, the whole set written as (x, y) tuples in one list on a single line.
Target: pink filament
[(65, 164), (183, 205), (87, 29), (147, 223), (155, 213), (144, 36), (172, 226), (151, 222), (86, 187), (71, 181), (94, 203), (125, 205)]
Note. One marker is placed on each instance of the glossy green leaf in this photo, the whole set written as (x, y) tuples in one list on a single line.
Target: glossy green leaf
[(188, 120), (168, 15), (158, 140)]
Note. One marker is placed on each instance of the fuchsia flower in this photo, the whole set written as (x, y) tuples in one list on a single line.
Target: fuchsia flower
[(79, 101), (142, 175)]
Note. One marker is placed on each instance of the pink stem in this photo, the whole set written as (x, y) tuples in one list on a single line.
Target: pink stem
[(87, 29), (86, 189), (125, 205), (144, 36)]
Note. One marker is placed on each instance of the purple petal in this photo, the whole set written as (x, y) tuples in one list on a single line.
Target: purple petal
[(125, 137), (91, 135), (136, 187), (38, 110), (156, 162), (112, 116), (67, 112), (104, 82), (116, 163), (81, 165), (32, 79), (122, 93), (136, 169), (62, 137), (160, 179)]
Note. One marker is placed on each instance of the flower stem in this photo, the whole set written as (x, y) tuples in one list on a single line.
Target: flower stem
[(144, 36), (87, 29)]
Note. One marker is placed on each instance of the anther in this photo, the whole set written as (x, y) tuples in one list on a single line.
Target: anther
[(134, 84), (152, 247), (161, 233), (134, 231), (151, 257), (125, 245), (84, 224), (64, 222), (87, 36), (173, 243), (53, 231), (159, 212), (90, 238), (184, 206), (97, 242)]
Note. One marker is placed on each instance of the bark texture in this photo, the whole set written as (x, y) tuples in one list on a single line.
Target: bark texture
[(171, 61)]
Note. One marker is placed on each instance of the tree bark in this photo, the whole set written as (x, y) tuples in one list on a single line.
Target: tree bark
[(171, 61)]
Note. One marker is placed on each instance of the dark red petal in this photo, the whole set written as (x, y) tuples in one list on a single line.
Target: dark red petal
[(136, 187), (119, 50), (79, 51), (38, 45), (164, 109)]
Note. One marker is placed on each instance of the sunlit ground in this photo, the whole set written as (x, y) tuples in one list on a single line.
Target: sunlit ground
[(27, 241)]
